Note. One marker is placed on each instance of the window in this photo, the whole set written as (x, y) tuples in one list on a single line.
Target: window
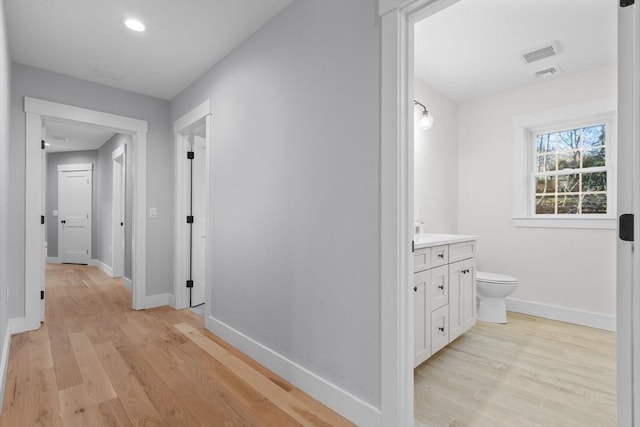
[(563, 167), (570, 171)]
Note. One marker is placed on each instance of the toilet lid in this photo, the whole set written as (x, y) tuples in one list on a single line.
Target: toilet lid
[(484, 276)]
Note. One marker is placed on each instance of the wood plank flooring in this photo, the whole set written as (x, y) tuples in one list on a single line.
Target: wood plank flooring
[(95, 362), (530, 372)]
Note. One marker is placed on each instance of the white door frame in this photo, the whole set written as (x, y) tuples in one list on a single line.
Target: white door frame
[(118, 169), (180, 128), (36, 111), (71, 168), (628, 261), (397, 22)]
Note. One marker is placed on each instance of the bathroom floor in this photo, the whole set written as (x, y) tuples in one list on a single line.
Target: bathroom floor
[(529, 372)]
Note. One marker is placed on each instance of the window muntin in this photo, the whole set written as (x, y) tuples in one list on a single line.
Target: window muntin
[(570, 171)]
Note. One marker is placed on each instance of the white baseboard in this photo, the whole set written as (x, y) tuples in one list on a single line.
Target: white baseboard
[(341, 401), (17, 325), (172, 301), (154, 301), (564, 314), (54, 260), (4, 361), (102, 266), (127, 283)]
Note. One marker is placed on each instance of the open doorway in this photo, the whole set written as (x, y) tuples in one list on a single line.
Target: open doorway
[(397, 167), (524, 117), (87, 221)]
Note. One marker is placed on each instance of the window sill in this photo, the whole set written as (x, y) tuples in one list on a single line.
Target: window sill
[(588, 223)]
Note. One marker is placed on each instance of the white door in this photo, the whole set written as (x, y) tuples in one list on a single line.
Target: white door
[(74, 218), (118, 212), (199, 214)]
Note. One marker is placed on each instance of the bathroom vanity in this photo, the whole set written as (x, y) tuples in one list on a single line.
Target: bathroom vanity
[(444, 290)]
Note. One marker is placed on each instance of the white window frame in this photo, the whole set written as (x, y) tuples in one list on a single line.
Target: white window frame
[(602, 110)]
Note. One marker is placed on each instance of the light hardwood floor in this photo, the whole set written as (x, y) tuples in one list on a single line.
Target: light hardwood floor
[(529, 372), (95, 362)]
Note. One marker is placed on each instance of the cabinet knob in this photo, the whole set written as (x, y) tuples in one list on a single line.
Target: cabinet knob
[(441, 256), (415, 289), (441, 287), (441, 329)]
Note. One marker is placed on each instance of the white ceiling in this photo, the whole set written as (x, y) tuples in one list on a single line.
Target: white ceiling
[(472, 49), (88, 40), (62, 136)]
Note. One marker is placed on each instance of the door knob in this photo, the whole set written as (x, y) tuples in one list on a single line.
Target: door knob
[(63, 221)]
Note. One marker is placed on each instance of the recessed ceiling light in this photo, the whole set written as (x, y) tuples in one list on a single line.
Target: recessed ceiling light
[(134, 24)]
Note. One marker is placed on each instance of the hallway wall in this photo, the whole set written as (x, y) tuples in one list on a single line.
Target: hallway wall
[(295, 191)]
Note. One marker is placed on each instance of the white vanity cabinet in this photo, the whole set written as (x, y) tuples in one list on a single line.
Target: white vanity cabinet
[(444, 291)]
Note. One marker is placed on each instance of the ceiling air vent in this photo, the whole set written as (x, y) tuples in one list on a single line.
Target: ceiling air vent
[(546, 51), (547, 72)]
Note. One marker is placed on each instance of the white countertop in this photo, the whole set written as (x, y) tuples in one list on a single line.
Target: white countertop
[(428, 240)]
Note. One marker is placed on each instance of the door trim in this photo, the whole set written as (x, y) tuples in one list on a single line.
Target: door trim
[(36, 111), (180, 128), (74, 168)]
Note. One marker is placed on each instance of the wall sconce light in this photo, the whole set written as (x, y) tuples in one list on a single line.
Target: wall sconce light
[(427, 119)]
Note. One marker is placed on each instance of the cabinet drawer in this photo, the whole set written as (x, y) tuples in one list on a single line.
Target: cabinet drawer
[(438, 287), (439, 328), (462, 250), (421, 259), (439, 255)]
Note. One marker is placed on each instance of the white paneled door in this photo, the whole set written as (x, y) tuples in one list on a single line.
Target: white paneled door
[(74, 219)]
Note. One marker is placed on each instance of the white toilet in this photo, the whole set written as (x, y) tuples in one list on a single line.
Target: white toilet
[(492, 290)]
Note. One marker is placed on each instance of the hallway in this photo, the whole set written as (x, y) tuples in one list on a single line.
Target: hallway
[(95, 362)]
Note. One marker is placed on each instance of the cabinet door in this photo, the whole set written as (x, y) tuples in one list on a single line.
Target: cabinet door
[(439, 328), (468, 294), (462, 297), (439, 290), (422, 341)]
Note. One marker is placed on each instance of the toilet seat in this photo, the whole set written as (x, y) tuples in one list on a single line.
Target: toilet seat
[(486, 277)]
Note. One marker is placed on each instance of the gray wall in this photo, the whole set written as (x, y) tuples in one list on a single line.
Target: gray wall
[(5, 263), (105, 201), (37, 83), (295, 189), (67, 158)]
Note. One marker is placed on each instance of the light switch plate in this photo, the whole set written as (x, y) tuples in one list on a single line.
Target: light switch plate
[(153, 213)]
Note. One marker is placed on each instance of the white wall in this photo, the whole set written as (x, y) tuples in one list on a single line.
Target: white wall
[(295, 190), (569, 268), (37, 83), (5, 263), (436, 162)]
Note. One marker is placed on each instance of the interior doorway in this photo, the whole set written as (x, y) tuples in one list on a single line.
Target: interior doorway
[(192, 153), (37, 112), (397, 229)]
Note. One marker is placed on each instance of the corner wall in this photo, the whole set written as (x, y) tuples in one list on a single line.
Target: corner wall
[(570, 271), (295, 199)]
